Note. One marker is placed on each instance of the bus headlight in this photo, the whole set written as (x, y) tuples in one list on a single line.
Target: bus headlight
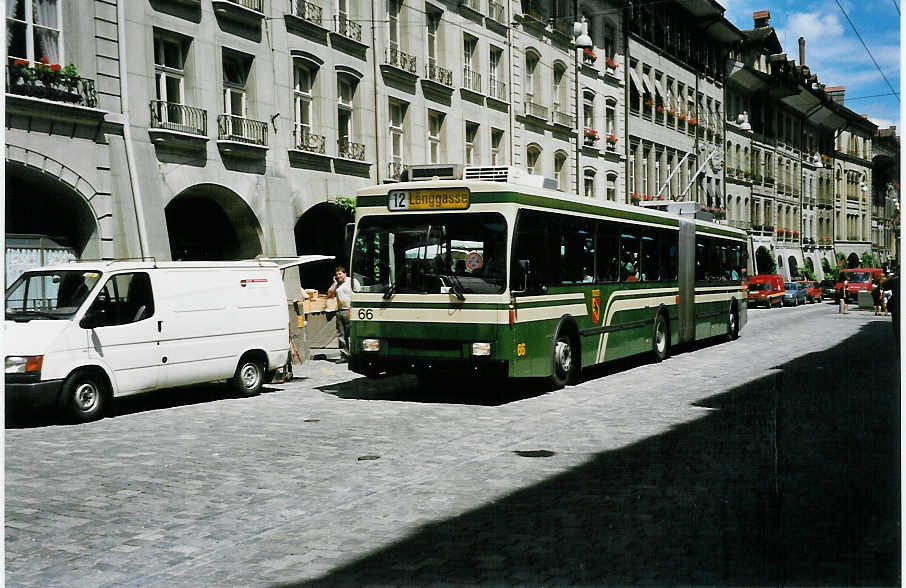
[(24, 364), (371, 344), (481, 348)]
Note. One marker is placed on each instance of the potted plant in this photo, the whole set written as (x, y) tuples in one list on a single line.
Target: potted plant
[(589, 56), (635, 198), (610, 63), (611, 139), (591, 136)]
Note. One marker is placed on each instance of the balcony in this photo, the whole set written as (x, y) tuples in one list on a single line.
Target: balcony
[(346, 149), (400, 65), (497, 90), (496, 12), (536, 111), (471, 80), (306, 11), (51, 85), (395, 169), (438, 74), (247, 12), (347, 28), (473, 5), (178, 125), (532, 10), (561, 119), (241, 136), (305, 140)]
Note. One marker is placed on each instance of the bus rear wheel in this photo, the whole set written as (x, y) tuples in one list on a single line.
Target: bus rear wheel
[(564, 361), (660, 341)]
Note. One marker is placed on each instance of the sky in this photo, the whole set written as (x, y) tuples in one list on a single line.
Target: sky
[(833, 51)]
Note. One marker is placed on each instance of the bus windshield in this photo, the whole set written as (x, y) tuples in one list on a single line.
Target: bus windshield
[(431, 254), (48, 295)]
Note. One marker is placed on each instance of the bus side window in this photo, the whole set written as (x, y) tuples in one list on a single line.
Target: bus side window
[(629, 255), (667, 241), (608, 253), (700, 260), (651, 263), (532, 243)]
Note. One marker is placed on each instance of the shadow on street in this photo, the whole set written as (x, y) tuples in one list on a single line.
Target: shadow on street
[(792, 479)]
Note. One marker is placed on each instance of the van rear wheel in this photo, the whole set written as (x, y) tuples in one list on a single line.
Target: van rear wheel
[(84, 397), (249, 377)]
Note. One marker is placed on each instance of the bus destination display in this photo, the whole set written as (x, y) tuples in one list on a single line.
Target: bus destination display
[(438, 199)]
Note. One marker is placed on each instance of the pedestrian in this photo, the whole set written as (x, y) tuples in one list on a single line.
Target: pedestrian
[(886, 293), (342, 290), (876, 295), (841, 300), (893, 284)]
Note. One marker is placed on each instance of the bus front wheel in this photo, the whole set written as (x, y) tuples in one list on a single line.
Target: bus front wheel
[(660, 343), (564, 361)]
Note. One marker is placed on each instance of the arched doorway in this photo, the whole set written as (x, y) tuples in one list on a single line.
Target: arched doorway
[(825, 265), (793, 265), (209, 222), (853, 260), (322, 230), (47, 221), (764, 263)]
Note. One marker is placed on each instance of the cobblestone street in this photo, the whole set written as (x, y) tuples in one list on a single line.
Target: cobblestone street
[(773, 459)]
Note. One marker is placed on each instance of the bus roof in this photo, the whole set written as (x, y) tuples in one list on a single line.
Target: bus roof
[(376, 196), (137, 264)]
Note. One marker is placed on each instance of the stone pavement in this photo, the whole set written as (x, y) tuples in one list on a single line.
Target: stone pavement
[(773, 459)]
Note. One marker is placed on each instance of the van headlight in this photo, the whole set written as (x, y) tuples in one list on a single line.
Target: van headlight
[(481, 348), (371, 344), (24, 364)]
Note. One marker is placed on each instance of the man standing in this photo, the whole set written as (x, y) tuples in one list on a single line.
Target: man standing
[(342, 289)]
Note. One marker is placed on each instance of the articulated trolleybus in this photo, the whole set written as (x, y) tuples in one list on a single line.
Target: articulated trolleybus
[(497, 274)]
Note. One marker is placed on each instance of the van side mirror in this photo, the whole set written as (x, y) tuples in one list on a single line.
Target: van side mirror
[(95, 317)]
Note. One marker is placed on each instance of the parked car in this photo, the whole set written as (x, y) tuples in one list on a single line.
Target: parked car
[(794, 294), (828, 289), (860, 278), (812, 290), (766, 290)]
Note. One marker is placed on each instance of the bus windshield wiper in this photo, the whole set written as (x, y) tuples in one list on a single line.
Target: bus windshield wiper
[(456, 287), (389, 291)]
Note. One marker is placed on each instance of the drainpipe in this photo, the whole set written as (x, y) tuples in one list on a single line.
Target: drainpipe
[(509, 43), (579, 132), (127, 135), (377, 117), (624, 34)]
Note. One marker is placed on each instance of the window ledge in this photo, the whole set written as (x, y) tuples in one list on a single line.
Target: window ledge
[(176, 139), (241, 148), (17, 104), (236, 12)]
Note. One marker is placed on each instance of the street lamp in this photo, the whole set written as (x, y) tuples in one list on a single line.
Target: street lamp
[(580, 33), (582, 41)]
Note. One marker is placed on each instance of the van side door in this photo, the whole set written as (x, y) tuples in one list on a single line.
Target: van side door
[(123, 333)]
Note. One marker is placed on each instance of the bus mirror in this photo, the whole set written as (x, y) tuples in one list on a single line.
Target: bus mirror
[(520, 278), (350, 230)]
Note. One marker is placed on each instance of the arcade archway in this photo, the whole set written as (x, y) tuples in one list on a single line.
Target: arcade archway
[(210, 222), (322, 230)]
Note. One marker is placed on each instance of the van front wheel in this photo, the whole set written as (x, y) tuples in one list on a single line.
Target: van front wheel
[(84, 397), (249, 377)]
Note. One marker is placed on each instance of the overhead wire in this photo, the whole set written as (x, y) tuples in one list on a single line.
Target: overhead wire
[(894, 92)]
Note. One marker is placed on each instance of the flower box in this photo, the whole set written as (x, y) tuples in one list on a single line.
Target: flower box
[(611, 139), (610, 63), (589, 56), (591, 135)]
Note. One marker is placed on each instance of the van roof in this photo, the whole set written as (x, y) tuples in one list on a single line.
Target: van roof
[(119, 265)]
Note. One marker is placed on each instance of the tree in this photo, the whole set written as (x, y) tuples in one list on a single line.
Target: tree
[(868, 260)]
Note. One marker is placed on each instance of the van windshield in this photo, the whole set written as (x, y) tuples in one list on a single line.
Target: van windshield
[(759, 286), (48, 295)]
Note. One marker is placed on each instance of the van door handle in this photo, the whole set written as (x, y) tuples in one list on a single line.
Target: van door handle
[(159, 325)]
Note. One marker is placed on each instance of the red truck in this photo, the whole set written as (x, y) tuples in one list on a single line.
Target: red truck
[(812, 290), (860, 278), (766, 289)]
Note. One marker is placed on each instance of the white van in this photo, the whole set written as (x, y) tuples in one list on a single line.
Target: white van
[(79, 334)]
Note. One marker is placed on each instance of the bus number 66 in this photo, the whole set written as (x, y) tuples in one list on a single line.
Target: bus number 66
[(366, 314)]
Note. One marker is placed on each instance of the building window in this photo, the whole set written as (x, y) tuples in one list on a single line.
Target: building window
[(532, 80), (435, 129), (532, 157), (346, 87), (497, 156), (560, 89), (393, 16), (589, 183), (235, 72), (33, 30), (169, 72), (470, 74), (560, 170), (496, 88), (471, 145), (397, 120), (588, 110), (610, 122), (612, 187), (433, 21), (303, 80)]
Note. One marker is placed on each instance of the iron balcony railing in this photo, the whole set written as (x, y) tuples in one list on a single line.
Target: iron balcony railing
[(243, 130), (50, 85), (471, 79), (438, 74), (531, 9), (306, 11), (401, 60), (496, 89), (305, 140), (473, 4), (256, 5), (536, 110), (349, 29), (349, 150), (495, 11), (563, 119), (179, 117), (395, 168)]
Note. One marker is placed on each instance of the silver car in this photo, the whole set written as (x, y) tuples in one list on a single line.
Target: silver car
[(794, 294)]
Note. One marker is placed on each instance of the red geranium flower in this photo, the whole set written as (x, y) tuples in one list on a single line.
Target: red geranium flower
[(44, 60), (55, 67), (20, 63)]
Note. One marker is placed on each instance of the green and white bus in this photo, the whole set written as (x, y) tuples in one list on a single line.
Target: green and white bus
[(510, 279)]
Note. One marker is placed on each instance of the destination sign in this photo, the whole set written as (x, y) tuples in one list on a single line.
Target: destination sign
[(438, 199)]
